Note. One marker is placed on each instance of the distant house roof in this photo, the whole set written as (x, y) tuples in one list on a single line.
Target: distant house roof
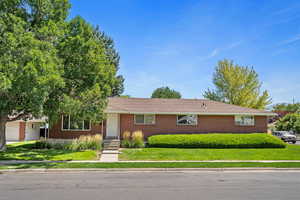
[(178, 106)]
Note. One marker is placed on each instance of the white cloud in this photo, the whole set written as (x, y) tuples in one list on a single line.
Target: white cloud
[(217, 51), (286, 90), (286, 10), (291, 40)]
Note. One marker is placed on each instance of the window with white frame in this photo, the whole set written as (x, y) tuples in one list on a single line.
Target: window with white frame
[(72, 124), (144, 119), (187, 119), (244, 120)]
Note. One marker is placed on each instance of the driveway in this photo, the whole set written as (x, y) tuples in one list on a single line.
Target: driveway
[(11, 142), (150, 185)]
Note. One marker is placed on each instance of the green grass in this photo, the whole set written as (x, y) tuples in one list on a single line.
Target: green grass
[(291, 152), (150, 165), (26, 151)]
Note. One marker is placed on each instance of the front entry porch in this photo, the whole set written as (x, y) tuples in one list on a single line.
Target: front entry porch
[(112, 126), (111, 142)]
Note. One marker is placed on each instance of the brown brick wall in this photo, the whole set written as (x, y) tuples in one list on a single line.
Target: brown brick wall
[(206, 124), (167, 124), (22, 127), (56, 131)]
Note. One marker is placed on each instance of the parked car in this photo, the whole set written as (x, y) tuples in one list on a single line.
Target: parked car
[(286, 136)]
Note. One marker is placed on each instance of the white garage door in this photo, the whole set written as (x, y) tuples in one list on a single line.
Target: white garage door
[(12, 131), (32, 131)]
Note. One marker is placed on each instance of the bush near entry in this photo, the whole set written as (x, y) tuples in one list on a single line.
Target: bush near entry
[(136, 140), (84, 142), (216, 140)]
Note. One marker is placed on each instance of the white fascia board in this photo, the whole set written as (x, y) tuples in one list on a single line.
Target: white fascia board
[(192, 113)]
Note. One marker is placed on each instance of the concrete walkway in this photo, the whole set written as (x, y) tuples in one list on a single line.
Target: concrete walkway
[(11, 142), (109, 156)]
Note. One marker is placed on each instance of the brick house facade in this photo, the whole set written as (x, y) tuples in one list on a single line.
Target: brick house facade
[(127, 114)]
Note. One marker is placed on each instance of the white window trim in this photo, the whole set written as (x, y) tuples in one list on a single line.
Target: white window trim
[(144, 119), (235, 121), (62, 125), (187, 124)]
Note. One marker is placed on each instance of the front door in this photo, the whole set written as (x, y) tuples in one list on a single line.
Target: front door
[(112, 126)]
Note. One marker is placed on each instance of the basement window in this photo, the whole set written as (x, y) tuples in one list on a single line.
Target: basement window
[(72, 124), (187, 119), (144, 119), (244, 120)]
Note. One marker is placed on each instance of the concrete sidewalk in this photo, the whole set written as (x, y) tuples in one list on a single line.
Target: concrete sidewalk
[(114, 160), (127, 170)]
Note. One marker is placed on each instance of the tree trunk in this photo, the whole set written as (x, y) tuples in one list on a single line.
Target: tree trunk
[(2, 134)]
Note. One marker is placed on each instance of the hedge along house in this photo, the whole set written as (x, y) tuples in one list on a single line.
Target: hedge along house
[(166, 116)]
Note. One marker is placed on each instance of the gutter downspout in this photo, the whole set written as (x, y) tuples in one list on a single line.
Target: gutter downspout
[(102, 128)]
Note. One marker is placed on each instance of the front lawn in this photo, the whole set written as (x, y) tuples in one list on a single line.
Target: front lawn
[(291, 152), (26, 151)]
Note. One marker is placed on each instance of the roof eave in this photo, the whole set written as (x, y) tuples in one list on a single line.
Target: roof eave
[(190, 113)]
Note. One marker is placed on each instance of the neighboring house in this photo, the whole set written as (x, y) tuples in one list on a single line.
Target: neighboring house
[(23, 130), (166, 116)]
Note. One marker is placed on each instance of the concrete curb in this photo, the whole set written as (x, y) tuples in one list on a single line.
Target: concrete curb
[(208, 161), (72, 170)]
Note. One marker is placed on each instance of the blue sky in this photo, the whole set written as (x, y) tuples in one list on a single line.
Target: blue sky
[(177, 43)]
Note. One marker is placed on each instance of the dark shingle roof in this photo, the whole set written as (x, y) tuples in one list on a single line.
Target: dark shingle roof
[(176, 106)]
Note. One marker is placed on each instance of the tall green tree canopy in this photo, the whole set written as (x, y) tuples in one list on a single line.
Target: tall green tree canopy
[(113, 58), (289, 107), (50, 66), (165, 92), (237, 85), (29, 67), (290, 122)]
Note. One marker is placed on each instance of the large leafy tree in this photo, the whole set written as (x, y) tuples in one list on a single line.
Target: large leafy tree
[(165, 92), (50, 66), (113, 58), (29, 68), (88, 73), (290, 122), (237, 85), (289, 107)]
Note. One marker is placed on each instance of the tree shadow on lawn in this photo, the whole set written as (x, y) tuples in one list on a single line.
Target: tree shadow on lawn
[(29, 165), (29, 151)]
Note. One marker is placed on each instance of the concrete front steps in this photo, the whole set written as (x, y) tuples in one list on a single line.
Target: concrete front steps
[(111, 144)]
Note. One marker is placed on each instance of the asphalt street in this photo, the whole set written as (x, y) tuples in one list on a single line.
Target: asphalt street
[(150, 185)]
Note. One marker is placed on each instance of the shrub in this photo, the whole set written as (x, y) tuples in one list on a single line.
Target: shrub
[(92, 142), (134, 141), (290, 122), (126, 140), (254, 140), (44, 144), (137, 140)]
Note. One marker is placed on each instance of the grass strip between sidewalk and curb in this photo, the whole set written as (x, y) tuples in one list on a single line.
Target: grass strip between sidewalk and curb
[(150, 165)]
